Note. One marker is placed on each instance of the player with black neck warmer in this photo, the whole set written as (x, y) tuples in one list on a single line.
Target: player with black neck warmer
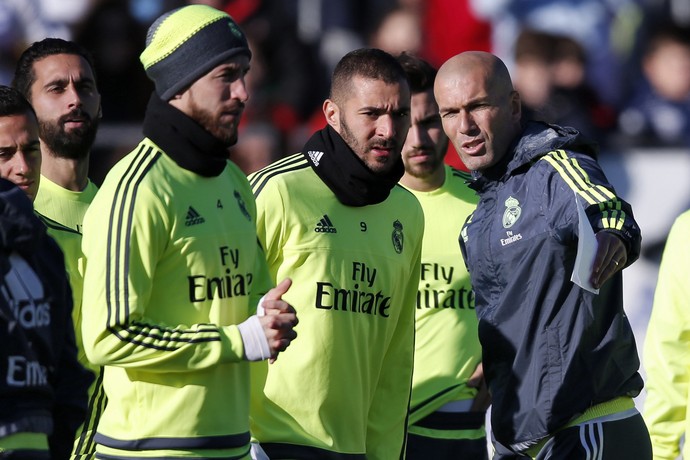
[(175, 281), (334, 219), (182, 139)]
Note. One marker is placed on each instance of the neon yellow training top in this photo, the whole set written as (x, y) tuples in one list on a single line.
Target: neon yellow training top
[(667, 349), (447, 348), (343, 386), (172, 266)]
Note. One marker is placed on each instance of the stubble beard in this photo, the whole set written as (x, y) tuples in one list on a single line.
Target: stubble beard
[(226, 134), (75, 144), (379, 168)]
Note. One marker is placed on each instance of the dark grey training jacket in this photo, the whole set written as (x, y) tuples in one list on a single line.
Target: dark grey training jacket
[(43, 388), (550, 348)]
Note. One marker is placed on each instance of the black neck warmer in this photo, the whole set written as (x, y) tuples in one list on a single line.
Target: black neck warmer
[(184, 140), (353, 183)]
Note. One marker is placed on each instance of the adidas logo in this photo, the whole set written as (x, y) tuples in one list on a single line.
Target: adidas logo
[(325, 226), (193, 217), (315, 156)]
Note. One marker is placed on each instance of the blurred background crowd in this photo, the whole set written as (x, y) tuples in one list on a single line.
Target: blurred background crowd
[(619, 70)]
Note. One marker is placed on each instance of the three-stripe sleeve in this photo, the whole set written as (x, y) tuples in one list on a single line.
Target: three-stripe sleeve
[(607, 211)]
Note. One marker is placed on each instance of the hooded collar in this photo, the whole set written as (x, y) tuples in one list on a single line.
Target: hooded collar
[(183, 139), (348, 177), (536, 140), (20, 229)]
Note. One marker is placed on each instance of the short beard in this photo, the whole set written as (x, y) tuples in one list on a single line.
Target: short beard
[(73, 145), (434, 163), (206, 120)]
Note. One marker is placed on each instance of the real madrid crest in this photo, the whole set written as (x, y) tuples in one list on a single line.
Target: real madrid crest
[(512, 212), (397, 236), (242, 206)]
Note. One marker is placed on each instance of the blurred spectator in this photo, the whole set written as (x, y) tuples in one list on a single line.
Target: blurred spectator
[(114, 38), (13, 37), (293, 82), (605, 28), (658, 111), (574, 101), (550, 75), (532, 76), (399, 31), (61, 17), (23, 22), (337, 27), (259, 145)]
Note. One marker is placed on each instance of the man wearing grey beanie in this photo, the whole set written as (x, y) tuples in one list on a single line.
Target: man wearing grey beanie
[(177, 296)]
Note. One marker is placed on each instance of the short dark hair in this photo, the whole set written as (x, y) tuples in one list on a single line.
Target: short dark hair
[(24, 75), (420, 74), (12, 102), (535, 45), (368, 63), (663, 33)]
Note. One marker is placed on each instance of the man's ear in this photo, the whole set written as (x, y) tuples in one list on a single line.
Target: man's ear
[(332, 113), (516, 106), (178, 101)]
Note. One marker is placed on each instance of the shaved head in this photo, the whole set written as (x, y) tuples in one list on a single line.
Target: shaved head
[(476, 65), (479, 108)]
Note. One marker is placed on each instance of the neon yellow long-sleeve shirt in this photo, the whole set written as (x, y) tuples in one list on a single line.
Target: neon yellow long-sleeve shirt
[(667, 349)]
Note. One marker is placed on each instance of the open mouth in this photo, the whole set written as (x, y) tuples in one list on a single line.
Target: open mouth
[(473, 147)]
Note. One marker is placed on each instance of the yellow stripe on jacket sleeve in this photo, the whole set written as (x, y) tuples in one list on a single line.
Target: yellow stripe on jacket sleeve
[(570, 170), (577, 178)]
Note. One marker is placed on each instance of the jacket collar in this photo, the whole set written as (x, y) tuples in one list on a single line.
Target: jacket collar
[(20, 229), (535, 141)]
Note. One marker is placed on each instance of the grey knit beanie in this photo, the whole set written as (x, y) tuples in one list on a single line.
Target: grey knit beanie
[(186, 43)]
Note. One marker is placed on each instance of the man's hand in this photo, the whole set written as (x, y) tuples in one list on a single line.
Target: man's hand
[(279, 320), (482, 400), (611, 256)]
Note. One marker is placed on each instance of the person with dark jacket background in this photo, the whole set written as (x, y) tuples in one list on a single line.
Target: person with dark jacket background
[(559, 357), (43, 388)]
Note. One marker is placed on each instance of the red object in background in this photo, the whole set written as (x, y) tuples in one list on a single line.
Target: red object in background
[(240, 10), (450, 27), (316, 121), (453, 159)]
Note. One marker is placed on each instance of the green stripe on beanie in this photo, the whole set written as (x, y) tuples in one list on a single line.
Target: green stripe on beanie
[(186, 43)]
